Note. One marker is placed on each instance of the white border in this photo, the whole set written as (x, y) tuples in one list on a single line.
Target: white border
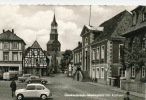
[(75, 2)]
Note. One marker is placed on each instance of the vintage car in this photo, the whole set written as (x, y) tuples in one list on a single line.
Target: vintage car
[(35, 79), (33, 91), (23, 77)]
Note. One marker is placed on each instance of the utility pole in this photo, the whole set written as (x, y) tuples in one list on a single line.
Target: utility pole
[(90, 15)]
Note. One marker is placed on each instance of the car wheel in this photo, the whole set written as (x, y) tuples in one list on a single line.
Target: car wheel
[(20, 97), (43, 96), (43, 82), (29, 82)]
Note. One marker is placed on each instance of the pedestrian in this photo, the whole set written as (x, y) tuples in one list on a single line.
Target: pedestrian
[(13, 87), (127, 96)]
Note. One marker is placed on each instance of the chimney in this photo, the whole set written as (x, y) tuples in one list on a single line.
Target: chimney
[(12, 30), (79, 43), (3, 30)]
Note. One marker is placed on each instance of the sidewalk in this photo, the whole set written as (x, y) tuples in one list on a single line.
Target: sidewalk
[(118, 89)]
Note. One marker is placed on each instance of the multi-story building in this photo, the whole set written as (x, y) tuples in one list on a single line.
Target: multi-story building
[(11, 51), (35, 61), (77, 57), (105, 55), (134, 58)]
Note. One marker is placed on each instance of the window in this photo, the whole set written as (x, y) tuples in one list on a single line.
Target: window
[(134, 18), (143, 43), (144, 16), (20, 56), (143, 71), (6, 56), (132, 72), (102, 51), (86, 40), (120, 47), (6, 45), (80, 57), (98, 53), (93, 54), (15, 45), (102, 72), (97, 72), (15, 56), (41, 60), (39, 88), (30, 88), (122, 73)]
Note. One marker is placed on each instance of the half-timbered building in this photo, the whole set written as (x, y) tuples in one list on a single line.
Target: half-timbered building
[(35, 61)]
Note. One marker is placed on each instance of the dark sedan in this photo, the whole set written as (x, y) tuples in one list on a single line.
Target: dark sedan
[(35, 79)]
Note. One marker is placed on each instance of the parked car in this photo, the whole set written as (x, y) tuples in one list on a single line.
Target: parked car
[(23, 77), (33, 91), (35, 79)]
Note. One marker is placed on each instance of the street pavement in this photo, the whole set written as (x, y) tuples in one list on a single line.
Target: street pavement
[(65, 88)]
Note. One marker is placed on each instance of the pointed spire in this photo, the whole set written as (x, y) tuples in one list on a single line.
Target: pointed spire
[(54, 23), (54, 19)]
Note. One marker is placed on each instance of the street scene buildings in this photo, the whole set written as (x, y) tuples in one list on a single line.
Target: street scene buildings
[(108, 59)]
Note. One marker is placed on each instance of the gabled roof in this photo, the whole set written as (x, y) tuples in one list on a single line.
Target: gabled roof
[(35, 45), (138, 25), (10, 35), (89, 28), (110, 26)]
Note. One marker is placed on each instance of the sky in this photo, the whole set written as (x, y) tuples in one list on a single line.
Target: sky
[(33, 22)]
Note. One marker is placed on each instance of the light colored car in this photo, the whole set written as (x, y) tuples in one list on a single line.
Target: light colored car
[(23, 77), (33, 91)]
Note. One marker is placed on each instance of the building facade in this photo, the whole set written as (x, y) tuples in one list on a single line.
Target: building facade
[(35, 61), (134, 56), (105, 50), (11, 51)]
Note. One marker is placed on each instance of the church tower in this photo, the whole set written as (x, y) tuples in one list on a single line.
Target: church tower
[(53, 44)]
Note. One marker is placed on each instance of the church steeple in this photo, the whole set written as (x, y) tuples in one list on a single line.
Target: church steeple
[(53, 42)]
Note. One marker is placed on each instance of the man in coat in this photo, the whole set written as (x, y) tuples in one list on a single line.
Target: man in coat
[(13, 87)]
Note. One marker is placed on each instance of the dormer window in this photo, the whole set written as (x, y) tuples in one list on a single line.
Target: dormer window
[(134, 18), (143, 14)]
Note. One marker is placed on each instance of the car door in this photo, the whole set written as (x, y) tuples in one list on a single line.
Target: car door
[(39, 90), (30, 91)]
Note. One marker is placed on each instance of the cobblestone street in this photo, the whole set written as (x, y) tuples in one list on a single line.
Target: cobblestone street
[(64, 88)]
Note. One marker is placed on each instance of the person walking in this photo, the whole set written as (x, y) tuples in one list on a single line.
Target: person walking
[(13, 87)]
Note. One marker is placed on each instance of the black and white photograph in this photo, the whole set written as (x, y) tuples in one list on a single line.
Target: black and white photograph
[(72, 52)]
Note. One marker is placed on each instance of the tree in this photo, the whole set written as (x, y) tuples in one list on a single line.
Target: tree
[(67, 57)]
